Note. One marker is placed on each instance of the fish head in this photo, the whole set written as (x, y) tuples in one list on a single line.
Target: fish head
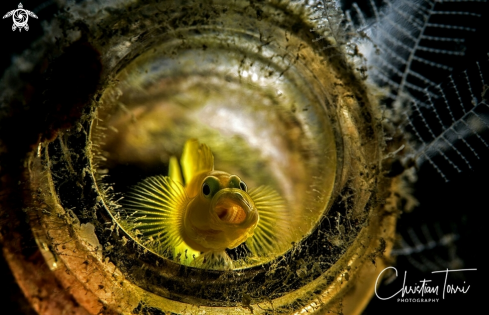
[(222, 215)]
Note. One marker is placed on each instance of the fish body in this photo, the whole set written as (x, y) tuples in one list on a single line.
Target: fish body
[(197, 217), (220, 215)]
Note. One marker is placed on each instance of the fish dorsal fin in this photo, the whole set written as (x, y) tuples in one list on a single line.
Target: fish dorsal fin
[(270, 235), (154, 209), (174, 171), (196, 158)]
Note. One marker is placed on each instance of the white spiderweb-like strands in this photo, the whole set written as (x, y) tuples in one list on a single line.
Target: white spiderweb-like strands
[(405, 37), (331, 28), (453, 127), (428, 248)]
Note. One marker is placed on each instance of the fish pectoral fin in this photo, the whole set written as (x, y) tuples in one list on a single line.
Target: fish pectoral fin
[(196, 158), (174, 171), (153, 210), (272, 234), (219, 260)]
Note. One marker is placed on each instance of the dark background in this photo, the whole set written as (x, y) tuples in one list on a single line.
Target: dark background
[(455, 208), (446, 210)]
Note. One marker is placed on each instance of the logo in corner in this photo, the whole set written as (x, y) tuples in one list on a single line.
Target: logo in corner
[(20, 18)]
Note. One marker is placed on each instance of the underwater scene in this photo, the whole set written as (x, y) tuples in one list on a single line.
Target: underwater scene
[(242, 157)]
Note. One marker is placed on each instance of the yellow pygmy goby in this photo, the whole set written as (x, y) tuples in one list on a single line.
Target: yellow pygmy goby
[(198, 220)]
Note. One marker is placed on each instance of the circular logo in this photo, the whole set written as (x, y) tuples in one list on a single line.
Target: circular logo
[(20, 16)]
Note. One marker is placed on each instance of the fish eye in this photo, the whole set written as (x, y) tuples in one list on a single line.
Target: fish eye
[(243, 186), (210, 187), (206, 190), (236, 182)]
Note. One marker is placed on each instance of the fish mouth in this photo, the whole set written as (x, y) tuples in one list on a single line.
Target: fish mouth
[(233, 207), (230, 212)]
